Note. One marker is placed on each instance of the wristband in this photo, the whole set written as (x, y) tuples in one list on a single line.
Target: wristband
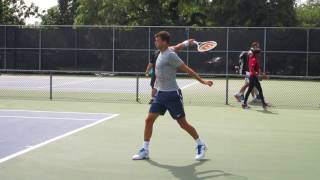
[(186, 43)]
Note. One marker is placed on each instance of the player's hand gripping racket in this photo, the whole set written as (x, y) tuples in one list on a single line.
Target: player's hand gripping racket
[(206, 46)]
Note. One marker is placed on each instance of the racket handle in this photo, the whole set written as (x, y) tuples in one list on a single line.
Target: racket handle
[(196, 42)]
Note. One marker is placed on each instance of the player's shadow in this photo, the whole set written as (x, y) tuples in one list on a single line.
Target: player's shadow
[(189, 172), (267, 112)]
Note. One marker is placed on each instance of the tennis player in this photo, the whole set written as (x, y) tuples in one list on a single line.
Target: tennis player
[(254, 72), (151, 65), (244, 71), (169, 96)]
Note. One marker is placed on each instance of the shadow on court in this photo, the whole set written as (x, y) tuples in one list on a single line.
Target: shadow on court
[(267, 112), (189, 172)]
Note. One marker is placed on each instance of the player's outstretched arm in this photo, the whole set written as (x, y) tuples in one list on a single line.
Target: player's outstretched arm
[(191, 72), (182, 45)]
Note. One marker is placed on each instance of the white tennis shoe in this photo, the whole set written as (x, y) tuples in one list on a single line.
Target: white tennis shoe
[(141, 155), (201, 151)]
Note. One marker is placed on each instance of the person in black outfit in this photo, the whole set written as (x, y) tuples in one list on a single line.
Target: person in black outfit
[(254, 73)]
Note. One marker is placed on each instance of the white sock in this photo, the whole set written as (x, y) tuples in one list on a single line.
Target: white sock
[(238, 94), (199, 141), (146, 145)]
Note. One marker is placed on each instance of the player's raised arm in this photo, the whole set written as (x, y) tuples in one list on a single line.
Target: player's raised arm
[(182, 45), (191, 72)]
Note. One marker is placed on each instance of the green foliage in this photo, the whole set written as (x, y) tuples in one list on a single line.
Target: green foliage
[(252, 13), (51, 17), (102, 12), (187, 13), (309, 14), (168, 12), (63, 13), (141, 12), (16, 11)]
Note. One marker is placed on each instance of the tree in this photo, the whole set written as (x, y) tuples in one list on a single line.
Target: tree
[(249, 13), (174, 12), (309, 14), (313, 2), (187, 13), (103, 12), (51, 17), (62, 14), (16, 11), (141, 12)]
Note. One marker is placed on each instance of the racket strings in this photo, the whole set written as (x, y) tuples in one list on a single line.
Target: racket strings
[(207, 46)]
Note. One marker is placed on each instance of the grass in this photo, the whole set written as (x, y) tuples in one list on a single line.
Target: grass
[(279, 144)]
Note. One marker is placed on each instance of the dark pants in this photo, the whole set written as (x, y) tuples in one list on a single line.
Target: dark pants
[(254, 82)]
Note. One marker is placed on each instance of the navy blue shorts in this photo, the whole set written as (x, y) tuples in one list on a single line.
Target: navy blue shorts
[(168, 100)]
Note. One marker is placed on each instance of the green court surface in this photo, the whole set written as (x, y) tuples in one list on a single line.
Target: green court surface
[(279, 144)]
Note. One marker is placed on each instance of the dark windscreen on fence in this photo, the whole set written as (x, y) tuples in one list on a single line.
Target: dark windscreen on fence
[(286, 51)]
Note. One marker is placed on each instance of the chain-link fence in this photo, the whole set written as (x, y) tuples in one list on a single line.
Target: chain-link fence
[(280, 91), (286, 51), (105, 63)]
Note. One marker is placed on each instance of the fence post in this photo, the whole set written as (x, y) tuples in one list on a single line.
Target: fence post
[(149, 43), (264, 49), (188, 37), (50, 86), (40, 47), (5, 48), (76, 46), (227, 69), (137, 88), (113, 42), (307, 58)]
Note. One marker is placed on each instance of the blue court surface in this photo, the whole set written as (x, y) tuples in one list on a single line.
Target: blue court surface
[(23, 130)]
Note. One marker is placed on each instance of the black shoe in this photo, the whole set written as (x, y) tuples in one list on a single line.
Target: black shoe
[(265, 106), (245, 106)]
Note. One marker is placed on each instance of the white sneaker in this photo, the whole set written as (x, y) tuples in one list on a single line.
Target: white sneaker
[(141, 155), (200, 151)]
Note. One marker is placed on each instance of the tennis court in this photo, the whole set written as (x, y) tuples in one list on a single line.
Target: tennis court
[(25, 130), (73, 102), (253, 144)]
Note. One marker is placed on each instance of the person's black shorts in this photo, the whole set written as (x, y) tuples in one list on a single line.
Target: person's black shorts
[(153, 80), (168, 100)]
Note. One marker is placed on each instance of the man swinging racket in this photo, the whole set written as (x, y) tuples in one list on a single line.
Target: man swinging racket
[(169, 96), (150, 71)]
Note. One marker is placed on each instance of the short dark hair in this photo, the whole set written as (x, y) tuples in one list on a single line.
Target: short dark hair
[(255, 44), (163, 35)]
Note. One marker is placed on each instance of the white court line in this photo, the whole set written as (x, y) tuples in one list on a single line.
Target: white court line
[(95, 89), (45, 117), (18, 87), (67, 83), (55, 139), (189, 85), (10, 81), (54, 112)]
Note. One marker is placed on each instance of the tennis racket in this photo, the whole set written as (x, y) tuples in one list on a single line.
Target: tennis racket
[(206, 46)]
